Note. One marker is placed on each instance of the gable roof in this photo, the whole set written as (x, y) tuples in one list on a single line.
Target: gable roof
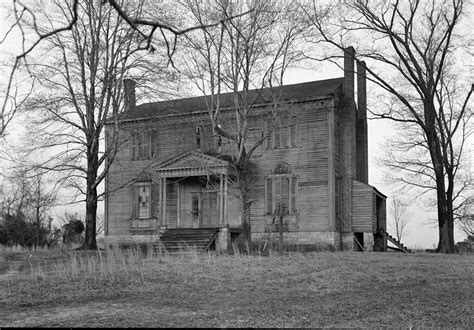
[(307, 90)]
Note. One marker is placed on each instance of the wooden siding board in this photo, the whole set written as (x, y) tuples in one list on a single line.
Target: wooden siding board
[(362, 207)]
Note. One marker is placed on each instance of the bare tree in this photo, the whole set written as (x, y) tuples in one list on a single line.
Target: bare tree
[(81, 88), (243, 56), (41, 201), (26, 24), (412, 48), (401, 217), (90, 55), (466, 217), (29, 198)]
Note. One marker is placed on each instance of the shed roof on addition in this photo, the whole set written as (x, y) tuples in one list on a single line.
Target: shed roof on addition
[(299, 91)]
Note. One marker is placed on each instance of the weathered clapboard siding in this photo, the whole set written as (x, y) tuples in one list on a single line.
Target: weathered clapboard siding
[(380, 212), (363, 207), (308, 161), (234, 207), (171, 204)]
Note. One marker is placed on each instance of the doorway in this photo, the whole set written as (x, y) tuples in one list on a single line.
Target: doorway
[(204, 209)]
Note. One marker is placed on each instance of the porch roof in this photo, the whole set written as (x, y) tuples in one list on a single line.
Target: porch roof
[(194, 163)]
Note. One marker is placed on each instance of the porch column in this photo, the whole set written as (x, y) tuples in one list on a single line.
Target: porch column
[(160, 199), (226, 220), (221, 199), (163, 209), (178, 222)]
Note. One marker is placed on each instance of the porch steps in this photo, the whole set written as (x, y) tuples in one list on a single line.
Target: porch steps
[(399, 246), (182, 239)]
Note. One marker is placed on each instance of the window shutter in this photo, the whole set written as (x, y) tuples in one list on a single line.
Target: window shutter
[(265, 131), (285, 123), (277, 194), (276, 137), (154, 144), (134, 201), (293, 126), (195, 204), (198, 137), (133, 146), (268, 194), (154, 200), (285, 194), (147, 145), (139, 138), (294, 191)]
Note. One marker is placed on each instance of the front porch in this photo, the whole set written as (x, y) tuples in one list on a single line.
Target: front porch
[(189, 191), (194, 191)]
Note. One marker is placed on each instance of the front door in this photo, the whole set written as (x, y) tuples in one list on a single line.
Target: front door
[(204, 209)]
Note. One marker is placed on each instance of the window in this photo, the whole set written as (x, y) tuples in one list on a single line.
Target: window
[(144, 145), (219, 143), (285, 133), (144, 198), (143, 195), (281, 190), (197, 130)]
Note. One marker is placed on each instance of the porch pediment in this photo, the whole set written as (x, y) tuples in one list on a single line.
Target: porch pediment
[(193, 163)]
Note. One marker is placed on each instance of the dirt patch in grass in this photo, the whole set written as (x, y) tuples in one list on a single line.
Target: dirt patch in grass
[(294, 290)]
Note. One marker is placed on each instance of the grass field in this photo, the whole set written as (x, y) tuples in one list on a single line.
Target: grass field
[(325, 289)]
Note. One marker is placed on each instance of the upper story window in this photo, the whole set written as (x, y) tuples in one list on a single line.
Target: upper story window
[(281, 190), (285, 133), (197, 131), (144, 145)]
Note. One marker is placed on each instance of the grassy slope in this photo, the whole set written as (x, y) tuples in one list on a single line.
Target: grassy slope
[(296, 290)]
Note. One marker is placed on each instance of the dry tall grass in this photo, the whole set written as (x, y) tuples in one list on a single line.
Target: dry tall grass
[(129, 288)]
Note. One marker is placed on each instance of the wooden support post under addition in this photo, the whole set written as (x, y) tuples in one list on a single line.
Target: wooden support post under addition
[(221, 199)]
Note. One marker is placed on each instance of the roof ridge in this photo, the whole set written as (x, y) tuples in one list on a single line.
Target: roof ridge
[(183, 106), (250, 91)]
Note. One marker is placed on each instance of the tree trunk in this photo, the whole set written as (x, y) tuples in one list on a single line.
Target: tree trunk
[(90, 242), (446, 244), (246, 227), (37, 227), (445, 212)]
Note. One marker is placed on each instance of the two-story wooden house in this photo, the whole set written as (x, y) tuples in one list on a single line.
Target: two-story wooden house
[(175, 173)]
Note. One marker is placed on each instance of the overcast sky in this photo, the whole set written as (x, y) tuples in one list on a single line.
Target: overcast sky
[(419, 234)]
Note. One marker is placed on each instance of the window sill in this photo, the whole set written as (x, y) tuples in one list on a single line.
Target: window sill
[(283, 148), (284, 215)]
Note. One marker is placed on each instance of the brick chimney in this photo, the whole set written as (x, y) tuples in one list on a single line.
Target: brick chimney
[(362, 172), (347, 151), (349, 55), (129, 96)]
